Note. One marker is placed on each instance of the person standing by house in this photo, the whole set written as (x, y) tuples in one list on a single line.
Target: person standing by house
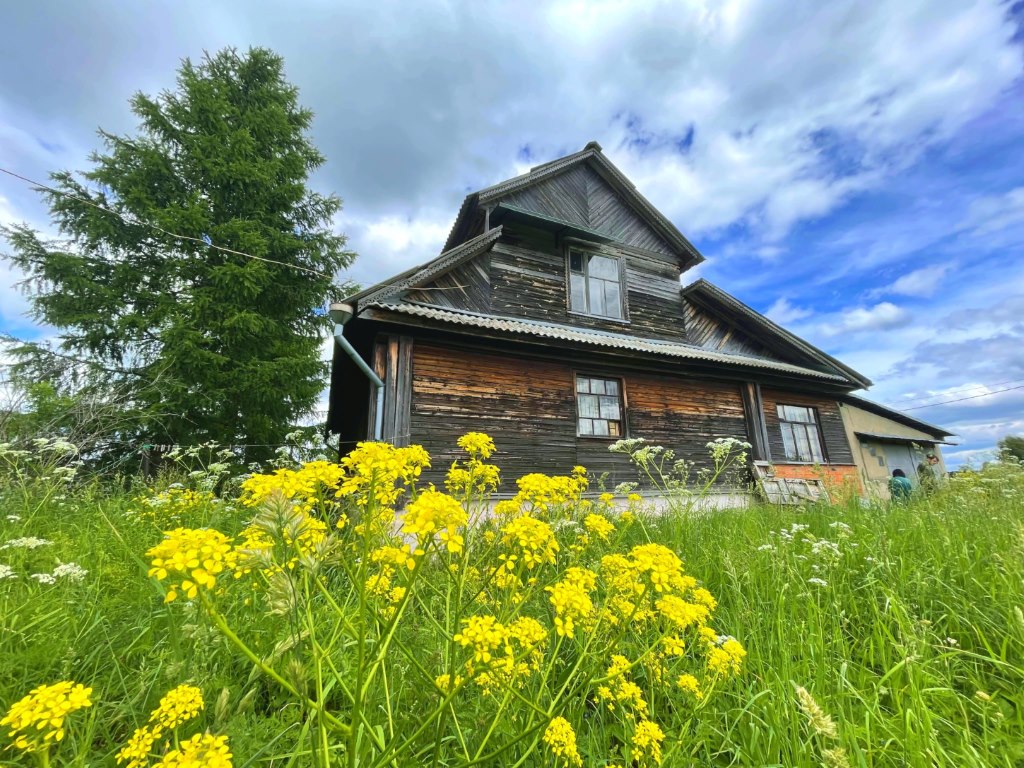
[(927, 476), (900, 488)]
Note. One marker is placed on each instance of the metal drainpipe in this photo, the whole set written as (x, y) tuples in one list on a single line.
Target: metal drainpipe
[(341, 314)]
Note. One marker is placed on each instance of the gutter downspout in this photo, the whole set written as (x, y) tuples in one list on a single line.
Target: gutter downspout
[(341, 314)]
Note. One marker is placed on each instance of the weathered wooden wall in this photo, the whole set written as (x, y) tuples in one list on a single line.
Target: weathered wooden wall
[(830, 420), (581, 196), (711, 331), (528, 406), (467, 286), (528, 279)]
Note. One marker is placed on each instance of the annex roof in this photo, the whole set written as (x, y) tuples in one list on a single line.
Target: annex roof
[(736, 308), (897, 416), (606, 339), (590, 154)]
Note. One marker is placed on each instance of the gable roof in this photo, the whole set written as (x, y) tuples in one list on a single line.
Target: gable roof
[(733, 308), (416, 276), (590, 155), (897, 416), (558, 331)]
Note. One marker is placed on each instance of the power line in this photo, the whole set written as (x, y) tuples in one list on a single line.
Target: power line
[(133, 220), (911, 399), (961, 399)]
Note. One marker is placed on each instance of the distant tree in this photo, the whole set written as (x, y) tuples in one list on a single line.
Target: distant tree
[(224, 346), (1012, 446)]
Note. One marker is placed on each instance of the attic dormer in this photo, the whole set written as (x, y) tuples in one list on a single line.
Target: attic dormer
[(581, 197)]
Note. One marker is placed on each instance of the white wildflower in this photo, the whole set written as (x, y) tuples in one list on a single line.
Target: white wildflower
[(45, 578), (26, 542), (951, 641), (13, 518), (6, 572), (817, 582), (624, 489), (764, 548), (70, 571)]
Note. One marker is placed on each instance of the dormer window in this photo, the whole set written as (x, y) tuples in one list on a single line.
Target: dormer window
[(595, 285)]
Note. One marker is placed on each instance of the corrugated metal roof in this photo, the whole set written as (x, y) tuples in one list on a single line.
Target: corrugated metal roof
[(596, 338), (900, 438)]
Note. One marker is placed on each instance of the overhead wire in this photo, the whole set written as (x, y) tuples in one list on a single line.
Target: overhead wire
[(135, 221), (961, 399), (916, 399)]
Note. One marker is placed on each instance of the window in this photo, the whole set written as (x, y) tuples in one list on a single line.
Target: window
[(598, 407), (800, 437), (594, 285)]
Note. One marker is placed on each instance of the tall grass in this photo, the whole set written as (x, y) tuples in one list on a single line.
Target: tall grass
[(903, 625)]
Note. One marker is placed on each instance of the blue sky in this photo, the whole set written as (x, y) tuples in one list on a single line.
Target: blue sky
[(854, 170)]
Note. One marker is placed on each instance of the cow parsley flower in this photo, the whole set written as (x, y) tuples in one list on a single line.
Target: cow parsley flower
[(6, 572), (817, 582), (70, 571), (44, 578), (26, 542)]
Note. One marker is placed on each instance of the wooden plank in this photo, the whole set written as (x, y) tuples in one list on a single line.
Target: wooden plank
[(835, 443)]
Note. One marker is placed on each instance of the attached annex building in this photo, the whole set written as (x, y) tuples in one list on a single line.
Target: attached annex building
[(555, 321)]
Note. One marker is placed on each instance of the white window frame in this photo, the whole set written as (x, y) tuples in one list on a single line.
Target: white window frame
[(586, 309)]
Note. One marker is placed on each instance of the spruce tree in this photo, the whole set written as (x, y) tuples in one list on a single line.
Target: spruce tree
[(214, 345)]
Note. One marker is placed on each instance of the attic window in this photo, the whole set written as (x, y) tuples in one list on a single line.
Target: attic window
[(595, 285)]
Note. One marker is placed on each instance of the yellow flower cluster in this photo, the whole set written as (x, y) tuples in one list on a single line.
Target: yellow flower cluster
[(724, 654), (477, 445), (542, 492), (300, 533), (475, 478), (435, 512), (201, 751), (647, 739), (531, 539), (373, 469), (306, 486), (599, 525), (571, 601), (178, 706), (169, 506), (620, 691), (37, 720), (191, 558), (484, 635), (560, 738)]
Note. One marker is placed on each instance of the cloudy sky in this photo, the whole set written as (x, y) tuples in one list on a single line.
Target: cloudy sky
[(854, 170)]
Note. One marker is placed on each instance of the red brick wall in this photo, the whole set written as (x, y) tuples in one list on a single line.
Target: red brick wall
[(840, 479)]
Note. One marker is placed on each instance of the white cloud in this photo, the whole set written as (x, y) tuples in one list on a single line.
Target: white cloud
[(923, 282), (880, 317), (783, 313)]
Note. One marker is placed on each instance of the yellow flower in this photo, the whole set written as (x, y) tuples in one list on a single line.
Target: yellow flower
[(474, 477), (534, 539), (445, 685), (672, 645), (621, 691), (725, 655), (477, 444), (37, 720), (689, 683), (433, 511), (201, 751), (571, 602), (373, 469), (599, 526), (663, 566), (307, 486), (680, 612), (561, 740), (634, 498), (400, 557), (139, 747), (192, 558), (179, 705), (606, 497), (484, 634), (300, 533), (647, 740)]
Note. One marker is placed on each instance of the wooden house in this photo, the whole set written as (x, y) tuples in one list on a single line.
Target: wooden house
[(555, 321)]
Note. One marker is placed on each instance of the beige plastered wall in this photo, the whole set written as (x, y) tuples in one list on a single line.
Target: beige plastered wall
[(874, 475)]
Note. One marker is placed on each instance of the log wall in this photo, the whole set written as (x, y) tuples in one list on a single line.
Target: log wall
[(830, 423), (528, 406)]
